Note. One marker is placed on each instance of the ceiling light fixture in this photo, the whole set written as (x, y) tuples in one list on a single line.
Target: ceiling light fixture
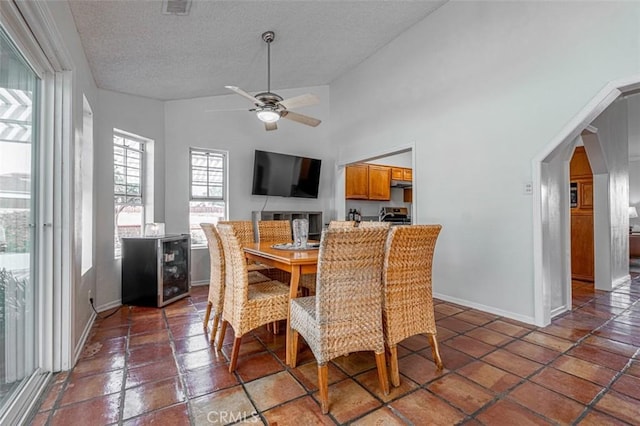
[(268, 115)]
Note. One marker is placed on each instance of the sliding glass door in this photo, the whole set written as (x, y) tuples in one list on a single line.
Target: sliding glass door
[(18, 243)]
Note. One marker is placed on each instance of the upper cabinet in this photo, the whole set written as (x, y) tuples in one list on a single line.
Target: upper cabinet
[(379, 182), (401, 173), (373, 181), (357, 182)]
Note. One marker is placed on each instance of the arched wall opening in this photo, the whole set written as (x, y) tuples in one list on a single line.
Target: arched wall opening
[(551, 215)]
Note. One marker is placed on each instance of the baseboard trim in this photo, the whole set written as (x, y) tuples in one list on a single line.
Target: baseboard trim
[(83, 339), (559, 310), (492, 310), (199, 283), (110, 305)]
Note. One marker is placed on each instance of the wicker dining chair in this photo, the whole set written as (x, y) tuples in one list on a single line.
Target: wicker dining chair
[(279, 231), (408, 300), (276, 231), (342, 224), (215, 299), (246, 236), (345, 315), (246, 307), (371, 224), (243, 229)]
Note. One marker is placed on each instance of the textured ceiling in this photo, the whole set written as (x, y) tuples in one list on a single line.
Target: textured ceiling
[(133, 48)]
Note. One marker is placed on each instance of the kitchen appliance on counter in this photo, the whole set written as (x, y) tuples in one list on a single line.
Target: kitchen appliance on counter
[(395, 215)]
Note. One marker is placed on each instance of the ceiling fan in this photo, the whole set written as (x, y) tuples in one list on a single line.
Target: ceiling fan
[(270, 107)]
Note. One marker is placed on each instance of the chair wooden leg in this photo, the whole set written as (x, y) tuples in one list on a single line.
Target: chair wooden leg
[(276, 327), (234, 354), (294, 348), (223, 331), (435, 351), (207, 313), (382, 373), (214, 328), (393, 366), (323, 387)]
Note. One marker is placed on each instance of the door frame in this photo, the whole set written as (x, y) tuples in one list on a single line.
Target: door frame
[(31, 27), (341, 163)]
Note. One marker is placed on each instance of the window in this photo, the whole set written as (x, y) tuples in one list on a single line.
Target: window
[(84, 173), (129, 197), (208, 196)]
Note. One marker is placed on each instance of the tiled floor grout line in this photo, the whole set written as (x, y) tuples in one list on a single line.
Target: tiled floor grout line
[(174, 353), (58, 399), (125, 369)]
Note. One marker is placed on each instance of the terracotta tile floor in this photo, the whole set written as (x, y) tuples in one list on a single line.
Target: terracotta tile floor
[(144, 366)]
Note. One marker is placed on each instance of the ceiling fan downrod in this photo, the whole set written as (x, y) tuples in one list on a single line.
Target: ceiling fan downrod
[(268, 37)]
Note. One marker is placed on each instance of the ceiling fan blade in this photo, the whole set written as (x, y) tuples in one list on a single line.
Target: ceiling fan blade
[(225, 110), (304, 119), (270, 126), (300, 101), (244, 94)]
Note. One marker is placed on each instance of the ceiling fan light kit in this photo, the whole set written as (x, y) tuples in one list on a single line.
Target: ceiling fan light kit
[(268, 115), (270, 107)]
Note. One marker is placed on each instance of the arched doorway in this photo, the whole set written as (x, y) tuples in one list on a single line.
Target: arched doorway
[(552, 264)]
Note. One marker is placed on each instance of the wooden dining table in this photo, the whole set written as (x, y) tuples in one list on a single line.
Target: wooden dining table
[(295, 261)]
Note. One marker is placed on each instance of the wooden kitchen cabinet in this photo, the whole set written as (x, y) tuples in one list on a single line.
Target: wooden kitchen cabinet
[(407, 196), (581, 189), (401, 173), (379, 182), (397, 173), (368, 182), (357, 182)]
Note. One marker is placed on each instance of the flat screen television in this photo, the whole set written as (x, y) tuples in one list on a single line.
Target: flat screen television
[(285, 175)]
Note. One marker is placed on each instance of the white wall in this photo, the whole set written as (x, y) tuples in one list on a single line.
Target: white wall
[(189, 124), (143, 117), (481, 87)]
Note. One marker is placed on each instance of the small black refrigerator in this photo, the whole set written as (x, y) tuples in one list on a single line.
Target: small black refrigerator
[(155, 270)]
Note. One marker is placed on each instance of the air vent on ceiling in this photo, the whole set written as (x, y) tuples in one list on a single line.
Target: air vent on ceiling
[(176, 7)]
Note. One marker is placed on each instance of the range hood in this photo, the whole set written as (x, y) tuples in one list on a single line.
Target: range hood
[(400, 184)]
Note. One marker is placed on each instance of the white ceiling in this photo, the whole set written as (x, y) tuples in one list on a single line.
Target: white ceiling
[(132, 47)]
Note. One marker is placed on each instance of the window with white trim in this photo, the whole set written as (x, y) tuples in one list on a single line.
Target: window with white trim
[(128, 191), (208, 193)]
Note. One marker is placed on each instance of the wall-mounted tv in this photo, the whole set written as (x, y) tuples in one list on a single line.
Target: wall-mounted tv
[(285, 175)]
